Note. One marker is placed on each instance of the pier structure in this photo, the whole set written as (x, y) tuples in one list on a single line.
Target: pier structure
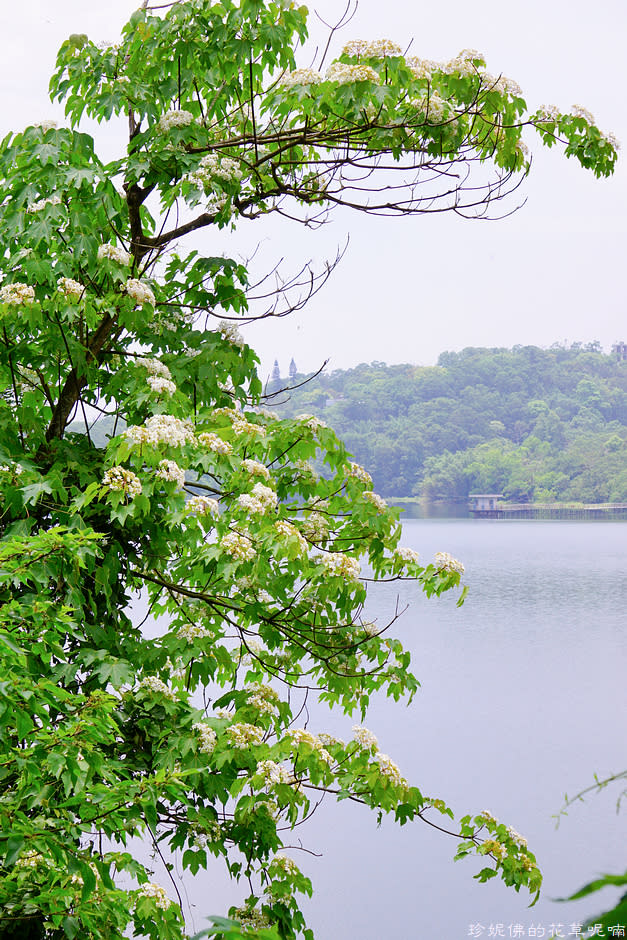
[(489, 506)]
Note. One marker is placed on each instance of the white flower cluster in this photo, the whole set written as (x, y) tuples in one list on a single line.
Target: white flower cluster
[(192, 631), (375, 49), (46, 125), (341, 566), (175, 119), (72, 289), (377, 501), (238, 546), (139, 292), (281, 863), (160, 385), (16, 470), (435, 108), (157, 893), (390, 770), (345, 74), (301, 736), (215, 203), (305, 471), (365, 738), (287, 530), (42, 203), (406, 554), (213, 166), (30, 860), (301, 77), (503, 85), (161, 429), (202, 506), (584, 114), (310, 421), (549, 113), (207, 737), (422, 68), (154, 684), (118, 478), (250, 917), (230, 333), (330, 740), (113, 253), (170, 471), (516, 836), (242, 426), (243, 734), (254, 468), (154, 367), (358, 473), (273, 773), (213, 442), (17, 294), (445, 562), (315, 527), (613, 140), (263, 697)]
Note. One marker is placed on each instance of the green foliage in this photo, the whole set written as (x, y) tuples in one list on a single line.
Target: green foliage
[(188, 490), (533, 424)]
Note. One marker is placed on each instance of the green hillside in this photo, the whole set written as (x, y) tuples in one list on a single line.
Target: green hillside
[(531, 423)]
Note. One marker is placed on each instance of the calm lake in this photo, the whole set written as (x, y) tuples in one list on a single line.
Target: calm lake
[(522, 700)]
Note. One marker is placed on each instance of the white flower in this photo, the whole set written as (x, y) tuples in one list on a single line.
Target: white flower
[(207, 737), (113, 253), (213, 166), (154, 684), (345, 74), (288, 531), (340, 565), (272, 772), (365, 738), (157, 893), (160, 385), (118, 478), (422, 68), (214, 443), (445, 562), (72, 289), (315, 527), (613, 140), (375, 499), (583, 113), (17, 294), (139, 292), (390, 770), (46, 125), (358, 473), (42, 203), (263, 697), (406, 554), (516, 836), (301, 736), (250, 504), (202, 506), (242, 734), (161, 429), (30, 860), (254, 468), (230, 333), (376, 49), (549, 113), (191, 631), (330, 740), (281, 863), (301, 77), (238, 546), (154, 367), (171, 472), (175, 119)]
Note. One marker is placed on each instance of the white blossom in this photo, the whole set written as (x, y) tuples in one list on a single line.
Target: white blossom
[(213, 166), (302, 736), (583, 113), (229, 331), (42, 203), (175, 119), (160, 385), (263, 697), (340, 565), (315, 527), (242, 734), (375, 49), (345, 74), (139, 292), (549, 113), (273, 773), (154, 367), (390, 770), (213, 442), (46, 126), (157, 893), (202, 506), (422, 68), (170, 471), (406, 554), (358, 473), (192, 631), (301, 77), (238, 546), (17, 294), (286, 530), (445, 562), (161, 429), (207, 737), (154, 684), (72, 289), (375, 499), (113, 253), (254, 468), (118, 478), (365, 738)]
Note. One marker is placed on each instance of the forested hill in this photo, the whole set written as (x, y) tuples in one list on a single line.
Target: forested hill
[(531, 423)]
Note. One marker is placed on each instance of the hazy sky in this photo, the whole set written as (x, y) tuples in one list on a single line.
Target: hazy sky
[(409, 289)]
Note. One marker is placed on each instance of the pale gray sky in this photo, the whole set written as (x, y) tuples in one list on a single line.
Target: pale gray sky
[(409, 289)]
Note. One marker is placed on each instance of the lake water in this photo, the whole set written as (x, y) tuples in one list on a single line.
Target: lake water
[(522, 699)]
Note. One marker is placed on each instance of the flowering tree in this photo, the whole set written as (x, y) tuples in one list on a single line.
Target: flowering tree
[(135, 456)]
